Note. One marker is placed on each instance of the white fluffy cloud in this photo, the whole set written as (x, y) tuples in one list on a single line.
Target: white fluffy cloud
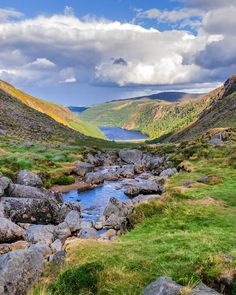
[(64, 49)]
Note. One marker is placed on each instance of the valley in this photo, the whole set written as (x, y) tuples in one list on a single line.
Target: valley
[(85, 215)]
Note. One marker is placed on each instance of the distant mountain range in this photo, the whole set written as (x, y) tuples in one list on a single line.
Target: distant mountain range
[(24, 114), (182, 119), (168, 96)]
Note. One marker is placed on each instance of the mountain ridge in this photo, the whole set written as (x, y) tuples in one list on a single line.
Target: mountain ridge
[(59, 113)]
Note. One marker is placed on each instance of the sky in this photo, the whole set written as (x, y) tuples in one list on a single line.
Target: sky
[(82, 52)]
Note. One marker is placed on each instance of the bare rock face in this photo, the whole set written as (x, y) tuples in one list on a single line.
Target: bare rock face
[(19, 270), (83, 168), (94, 178), (4, 184), (131, 156), (9, 231), (202, 289), (29, 178), (163, 286), (145, 188), (40, 234)]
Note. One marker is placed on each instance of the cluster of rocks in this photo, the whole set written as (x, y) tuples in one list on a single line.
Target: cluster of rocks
[(166, 286), (34, 224)]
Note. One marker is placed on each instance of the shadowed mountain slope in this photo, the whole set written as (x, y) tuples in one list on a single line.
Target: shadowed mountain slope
[(59, 113)]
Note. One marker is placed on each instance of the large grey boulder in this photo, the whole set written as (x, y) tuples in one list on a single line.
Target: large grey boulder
[(9, 231), (202, 289), (73, 220), (29, 178), (42, 248), (23, 191), (32, 210), (163, 286), (141, 199), (130, 156), (19, 270), (40, 234), (88, 233), (62, 231), (4, 184), (83, 168), (94, 177), (168, 172), (145, 188), (126, 171), (116, 215)]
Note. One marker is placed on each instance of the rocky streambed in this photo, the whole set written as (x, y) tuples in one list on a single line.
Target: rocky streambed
[(35, 223)]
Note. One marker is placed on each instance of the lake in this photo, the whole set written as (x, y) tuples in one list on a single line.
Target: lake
[(115, 133)]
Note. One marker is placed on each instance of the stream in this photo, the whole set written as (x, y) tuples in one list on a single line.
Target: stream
[(94, 202)]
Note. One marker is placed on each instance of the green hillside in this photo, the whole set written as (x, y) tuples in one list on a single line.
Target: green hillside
[(59, 113), (170, 120)]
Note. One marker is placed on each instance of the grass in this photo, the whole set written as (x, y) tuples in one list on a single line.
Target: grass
[(183, 237)]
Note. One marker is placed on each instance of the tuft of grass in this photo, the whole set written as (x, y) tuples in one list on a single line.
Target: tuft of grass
[(64, 180)]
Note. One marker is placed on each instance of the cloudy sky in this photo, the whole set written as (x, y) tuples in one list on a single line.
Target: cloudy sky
[(79, 52)]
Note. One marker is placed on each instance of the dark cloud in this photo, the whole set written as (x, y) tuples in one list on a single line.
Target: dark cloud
[(120, 61)]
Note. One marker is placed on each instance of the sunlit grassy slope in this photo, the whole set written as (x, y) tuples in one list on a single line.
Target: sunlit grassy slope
[(59, 113)]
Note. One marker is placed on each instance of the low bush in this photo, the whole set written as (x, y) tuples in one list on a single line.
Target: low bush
[(64, 180), (78, 280)]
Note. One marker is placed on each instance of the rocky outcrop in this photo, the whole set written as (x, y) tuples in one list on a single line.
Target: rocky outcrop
[(145, 188), (83, 168), (4, 184), (40, 233), (29, 178), (163, 286), (9, 231), (94, 177), (19, 270), (166, 286), (130, 156)]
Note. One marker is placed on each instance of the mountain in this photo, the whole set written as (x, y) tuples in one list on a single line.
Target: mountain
[(183, 119), (221, 113), (22, 121), (168, 96), (59, 113)]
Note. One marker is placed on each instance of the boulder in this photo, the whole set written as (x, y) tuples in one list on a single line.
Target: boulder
[(108, 235), (5, 248), (32, 210), (56, 246), (116, 216), (163, 286), (73, 220), (131, 156), (216, 140), (59, 257), (40, 234), (9, 231), (95, 160), (62, 231), (23, 191), (94, 177), (88, 233), (168, 172), (83, 168), (202, 289), (28, 178), (145, 188), (19, 270), (126, 171), (144, 199), (4, 184), (42, 248)]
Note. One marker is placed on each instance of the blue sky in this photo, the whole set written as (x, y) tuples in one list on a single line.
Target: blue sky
[(87, 51)]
